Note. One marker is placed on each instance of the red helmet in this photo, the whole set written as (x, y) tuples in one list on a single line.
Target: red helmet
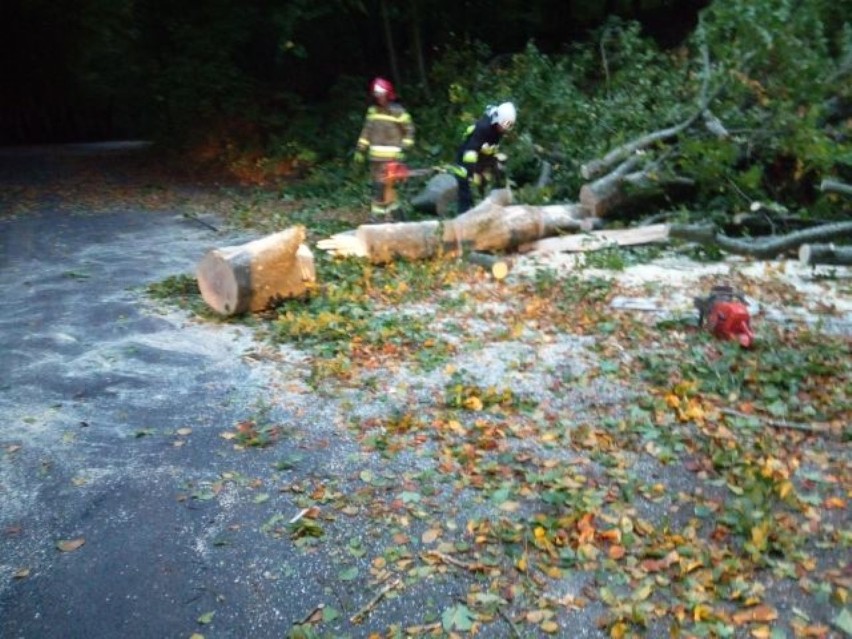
[(380, 86)]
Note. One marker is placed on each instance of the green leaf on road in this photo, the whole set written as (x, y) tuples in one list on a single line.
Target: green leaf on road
[(844, 621), (457, 618), (349, 574), (206, 618)]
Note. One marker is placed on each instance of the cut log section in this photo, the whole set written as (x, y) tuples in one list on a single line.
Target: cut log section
[(597, 240), (810, 254), (254, 276), (498, 265)]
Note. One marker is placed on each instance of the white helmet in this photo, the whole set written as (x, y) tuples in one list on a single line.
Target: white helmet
[(504, 115)]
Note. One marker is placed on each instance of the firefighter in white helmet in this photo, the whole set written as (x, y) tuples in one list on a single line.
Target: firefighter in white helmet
[(477, 160), (387, 133)]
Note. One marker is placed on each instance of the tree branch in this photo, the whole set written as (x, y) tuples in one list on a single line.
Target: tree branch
[(761, 248)]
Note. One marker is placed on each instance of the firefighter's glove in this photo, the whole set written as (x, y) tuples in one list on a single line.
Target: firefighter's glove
[(456, 170)]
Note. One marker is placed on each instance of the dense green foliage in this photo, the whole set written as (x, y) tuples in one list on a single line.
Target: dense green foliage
[(775, 73), (254, 85)]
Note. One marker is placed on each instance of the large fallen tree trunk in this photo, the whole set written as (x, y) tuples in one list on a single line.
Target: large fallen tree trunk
[(624, 186), (490, 226), (256, 275)]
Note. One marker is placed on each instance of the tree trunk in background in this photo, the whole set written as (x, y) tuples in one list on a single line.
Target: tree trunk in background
[(386, 25), (417, 43)]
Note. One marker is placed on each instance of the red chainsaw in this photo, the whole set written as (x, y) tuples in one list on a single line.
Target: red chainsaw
[(726, 315), (398, 171)]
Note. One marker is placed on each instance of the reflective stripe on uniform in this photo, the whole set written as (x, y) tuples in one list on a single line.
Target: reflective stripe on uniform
[(385, 152), (386, 117), (380, 208), (407, 142)]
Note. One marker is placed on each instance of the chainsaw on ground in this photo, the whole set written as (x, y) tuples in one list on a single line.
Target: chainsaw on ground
[(726, 315)]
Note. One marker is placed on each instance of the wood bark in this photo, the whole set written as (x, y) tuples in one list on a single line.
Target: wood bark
[(605, 194), (810, 254), (256, 275), (835, 186), (489, 226)]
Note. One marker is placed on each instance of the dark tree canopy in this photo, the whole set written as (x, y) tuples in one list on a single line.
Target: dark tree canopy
[(90, 69)]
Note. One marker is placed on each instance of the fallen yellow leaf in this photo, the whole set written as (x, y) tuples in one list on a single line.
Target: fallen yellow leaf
[(70, 545), (473, 403), (510, 506), (538, 616), (430, 535), (550, 627), (761, 613)]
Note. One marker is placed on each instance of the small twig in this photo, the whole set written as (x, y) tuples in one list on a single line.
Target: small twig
[(449, 559), (508, 620), (301, 514), (776, 424), (202, 222), (308, 616), (372, 603)]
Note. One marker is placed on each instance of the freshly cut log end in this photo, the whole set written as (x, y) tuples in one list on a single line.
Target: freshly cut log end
[(222, 286), (256, 275), (500, 270), (499, 267)]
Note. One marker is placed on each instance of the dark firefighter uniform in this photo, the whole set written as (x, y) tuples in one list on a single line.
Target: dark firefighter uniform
[(476, 159), (388, 131)]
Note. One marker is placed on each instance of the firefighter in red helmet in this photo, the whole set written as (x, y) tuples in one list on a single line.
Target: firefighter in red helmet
[(387, 133)]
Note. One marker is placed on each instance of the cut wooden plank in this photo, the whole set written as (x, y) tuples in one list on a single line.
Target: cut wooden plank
[(596, 240), (256, 275)]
